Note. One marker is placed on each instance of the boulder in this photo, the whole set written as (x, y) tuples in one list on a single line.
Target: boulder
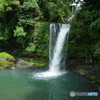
[(6, 62), (22, 64)]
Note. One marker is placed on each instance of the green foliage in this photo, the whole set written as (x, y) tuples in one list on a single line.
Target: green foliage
[(60, 10), (19, 29), (92, 77), (31, 47), (55, 10), (84, 31), (14, 2), (19, 32), (97, 45), (4, 1), (97, 53), (95, 25), (76, 50), (29, 13), (1, 8), (41, 39), (38, 63)]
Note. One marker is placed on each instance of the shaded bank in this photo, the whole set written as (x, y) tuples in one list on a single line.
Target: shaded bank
[(88, 70)]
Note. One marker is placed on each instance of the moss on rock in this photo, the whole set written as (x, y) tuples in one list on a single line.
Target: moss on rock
[(6, 60), (6, 64), (6, 55)]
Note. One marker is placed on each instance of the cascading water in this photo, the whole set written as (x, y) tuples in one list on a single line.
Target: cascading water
[(58, 35), (56, 54)]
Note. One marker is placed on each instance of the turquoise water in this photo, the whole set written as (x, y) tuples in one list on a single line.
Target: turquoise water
[(22, 85)]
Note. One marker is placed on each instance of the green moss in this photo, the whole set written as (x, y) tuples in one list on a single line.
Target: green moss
[(38, 63), (92, 77), (25, 61), (5, 64), (4, 54)]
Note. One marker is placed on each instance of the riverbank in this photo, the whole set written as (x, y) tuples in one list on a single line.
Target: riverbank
[(8, 61), (88, 70)]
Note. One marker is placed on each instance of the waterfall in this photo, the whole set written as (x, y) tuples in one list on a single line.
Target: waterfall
[(57, 52), (58, 35)]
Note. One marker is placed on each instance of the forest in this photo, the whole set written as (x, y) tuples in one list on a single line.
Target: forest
[(24, 32), (24, 24)]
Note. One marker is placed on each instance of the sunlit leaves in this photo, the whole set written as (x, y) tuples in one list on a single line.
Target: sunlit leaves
[(1, 8), (15, 2), (8, 2), (29, 13), (19, 32), (4, 2), (9, 9), (31, 47), (19, 17), (55, 10)]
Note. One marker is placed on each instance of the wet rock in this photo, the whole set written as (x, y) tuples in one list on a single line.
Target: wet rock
[(3, 58), (13, 68), (10, 59)]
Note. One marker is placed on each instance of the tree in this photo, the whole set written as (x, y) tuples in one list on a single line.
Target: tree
[(19, 29), (85, 29)]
